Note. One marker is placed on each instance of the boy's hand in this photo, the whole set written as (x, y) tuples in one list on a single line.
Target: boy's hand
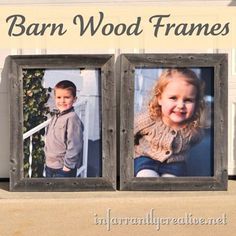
[(65, 168)]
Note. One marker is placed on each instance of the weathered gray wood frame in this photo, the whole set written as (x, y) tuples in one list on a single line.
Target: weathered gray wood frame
[(128, 64), (14, 66)]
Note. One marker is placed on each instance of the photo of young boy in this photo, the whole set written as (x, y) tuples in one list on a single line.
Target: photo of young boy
[(64, 135), (62, 123)]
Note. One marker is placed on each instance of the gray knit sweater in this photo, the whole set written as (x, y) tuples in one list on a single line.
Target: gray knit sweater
[(160, 142), (64, 140)]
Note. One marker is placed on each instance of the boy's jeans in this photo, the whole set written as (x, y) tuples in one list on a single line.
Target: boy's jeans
[(59, 173)]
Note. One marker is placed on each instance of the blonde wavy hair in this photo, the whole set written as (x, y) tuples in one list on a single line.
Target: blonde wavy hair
[(191, 78)]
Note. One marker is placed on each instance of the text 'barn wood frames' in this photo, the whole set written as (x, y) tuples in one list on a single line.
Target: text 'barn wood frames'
[(18, 25)]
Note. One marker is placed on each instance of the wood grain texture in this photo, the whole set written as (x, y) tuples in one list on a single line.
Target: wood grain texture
[(128, 64), (14, 66)]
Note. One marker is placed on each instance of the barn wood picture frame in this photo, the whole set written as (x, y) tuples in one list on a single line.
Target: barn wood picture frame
[(14, 67), (128, 64)]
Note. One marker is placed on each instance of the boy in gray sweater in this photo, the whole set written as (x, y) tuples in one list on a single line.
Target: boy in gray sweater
[(64, 135)]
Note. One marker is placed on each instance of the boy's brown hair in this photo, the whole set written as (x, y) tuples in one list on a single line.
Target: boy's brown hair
[(68, 85)]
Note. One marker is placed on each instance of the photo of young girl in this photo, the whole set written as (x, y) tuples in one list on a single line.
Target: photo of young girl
[(170, 125)]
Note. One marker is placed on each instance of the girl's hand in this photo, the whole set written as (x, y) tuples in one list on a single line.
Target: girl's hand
[(65, 168)]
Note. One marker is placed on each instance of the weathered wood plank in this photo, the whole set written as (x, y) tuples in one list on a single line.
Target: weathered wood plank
[(14, 66), (128, 64)]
